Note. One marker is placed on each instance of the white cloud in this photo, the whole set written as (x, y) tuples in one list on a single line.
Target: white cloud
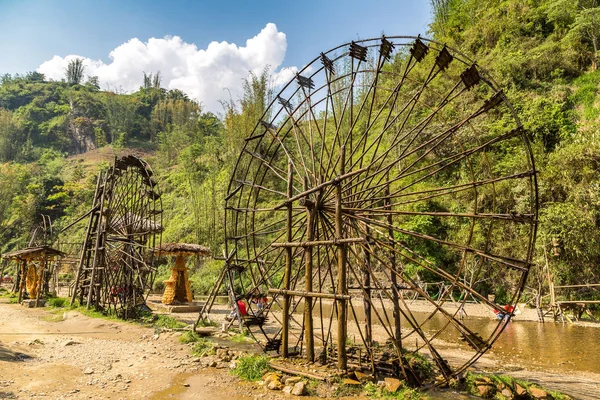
[(201, 73)]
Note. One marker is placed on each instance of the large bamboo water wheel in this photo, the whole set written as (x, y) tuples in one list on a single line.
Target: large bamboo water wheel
[(116, 268), (365, 179)]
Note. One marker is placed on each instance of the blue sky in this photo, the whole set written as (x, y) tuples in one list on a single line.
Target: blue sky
[(34, 31)]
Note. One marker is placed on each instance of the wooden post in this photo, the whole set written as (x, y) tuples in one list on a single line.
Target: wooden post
[(394, 269), (342, 288), (288, 269), (308, 265), (23, 279), (41, 281), (367, 295), (394, 272)]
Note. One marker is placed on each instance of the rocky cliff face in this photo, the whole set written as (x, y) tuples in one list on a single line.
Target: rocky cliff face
[(82, 135)]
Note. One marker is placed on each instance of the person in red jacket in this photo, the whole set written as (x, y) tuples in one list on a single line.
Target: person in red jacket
[(242, 307)]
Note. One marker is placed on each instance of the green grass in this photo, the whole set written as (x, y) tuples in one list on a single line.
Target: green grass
[(344, 390), (404, 393), (56, 302), (203, 347), (165, 321), (205, 323), (251, 367), (242, 337), (585, 94), (189, 337)]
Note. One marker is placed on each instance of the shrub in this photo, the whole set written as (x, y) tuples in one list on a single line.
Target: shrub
[(203, 347), (251, 367), (57, 302)]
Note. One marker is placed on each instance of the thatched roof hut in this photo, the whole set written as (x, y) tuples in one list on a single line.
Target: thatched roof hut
[(34, 253)]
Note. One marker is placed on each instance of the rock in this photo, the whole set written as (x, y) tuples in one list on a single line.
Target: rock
[(348, 381), (212, 364), (360, 376), (287, 389), (483, 380), (291, 380), (88, 371), (272, 381), (506, 392), (186, 385), (520, 390), (392, 384), (381, 383), (69, 343), (275, 385), (299, 389), (537, 393), (486, 391)]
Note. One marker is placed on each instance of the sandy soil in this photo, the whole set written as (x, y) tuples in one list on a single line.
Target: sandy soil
[(73, 356), (69, 355)]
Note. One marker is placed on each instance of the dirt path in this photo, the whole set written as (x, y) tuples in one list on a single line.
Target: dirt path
[(69, 355), (73, 356)]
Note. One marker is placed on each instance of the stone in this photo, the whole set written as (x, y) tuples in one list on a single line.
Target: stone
[(287, 390), (506, 392), (486, 391), (212, 364), (392, 384), (291, 380), (70, 343), (275, 384), (351, 382), (520, 390), (360, 376), (484, 379), (299, 389), (537, 393), (272, 381), (88, 371)]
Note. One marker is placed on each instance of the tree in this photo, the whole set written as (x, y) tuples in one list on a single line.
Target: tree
[(93, 82), (586, 28), (74, 71)]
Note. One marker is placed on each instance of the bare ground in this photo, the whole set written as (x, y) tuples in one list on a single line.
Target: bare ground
[(69, 355)]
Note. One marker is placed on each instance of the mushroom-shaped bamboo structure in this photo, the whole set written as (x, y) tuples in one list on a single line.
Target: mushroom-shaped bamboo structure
[(32, 277), (177, 287)]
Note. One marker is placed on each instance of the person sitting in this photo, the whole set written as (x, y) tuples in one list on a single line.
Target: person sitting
[(241, 306)]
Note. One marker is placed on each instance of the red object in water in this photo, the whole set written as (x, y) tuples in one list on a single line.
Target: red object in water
[(242, 307)]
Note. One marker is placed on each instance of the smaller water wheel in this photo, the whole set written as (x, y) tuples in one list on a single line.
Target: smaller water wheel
[(117, 260)]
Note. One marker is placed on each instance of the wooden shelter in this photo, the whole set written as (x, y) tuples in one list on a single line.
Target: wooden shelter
[(177, 287), (33, 269)]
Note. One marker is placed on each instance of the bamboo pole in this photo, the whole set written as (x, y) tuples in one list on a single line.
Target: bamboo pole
[(23, 279), (288, 269), (313, 243), (367, 295), (341, 259), (41, 281), (308, 265), (395, 273), (300, 293)]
